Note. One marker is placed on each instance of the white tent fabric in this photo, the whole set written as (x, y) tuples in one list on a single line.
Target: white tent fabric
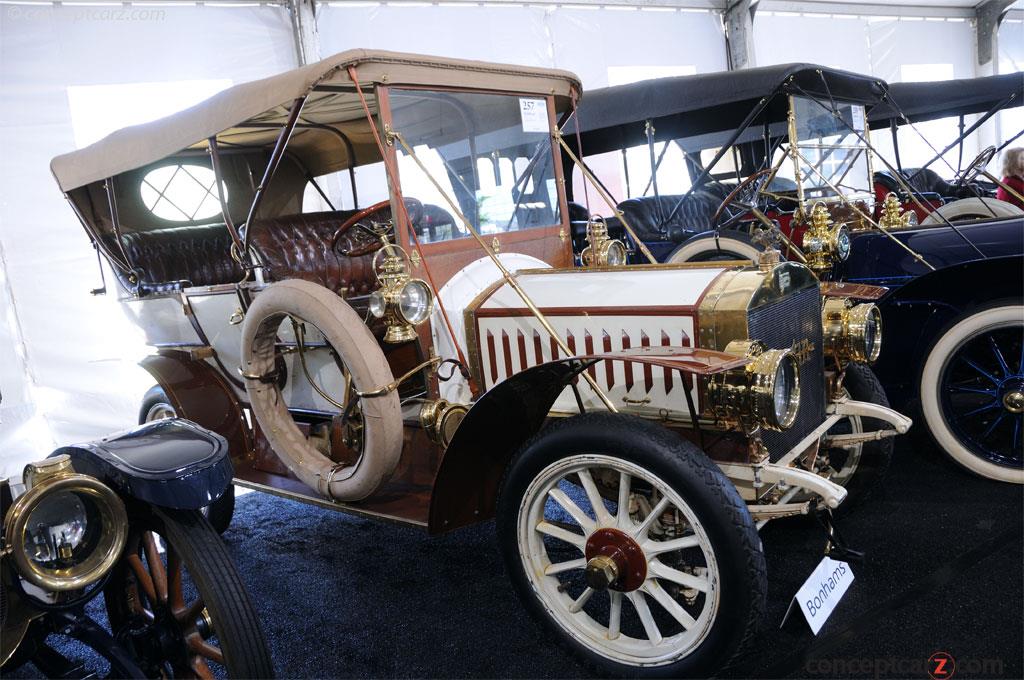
[(593, 42), (69, 74)]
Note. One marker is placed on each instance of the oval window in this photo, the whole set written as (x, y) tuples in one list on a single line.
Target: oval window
[(182, 193)]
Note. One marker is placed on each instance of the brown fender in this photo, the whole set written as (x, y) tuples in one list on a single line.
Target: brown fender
[(200, 394), (468, 481)]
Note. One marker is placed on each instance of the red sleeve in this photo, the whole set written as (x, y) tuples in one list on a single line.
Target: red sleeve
[(1015, 183)]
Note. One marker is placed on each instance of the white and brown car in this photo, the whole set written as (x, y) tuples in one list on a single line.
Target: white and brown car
[(434, 358)]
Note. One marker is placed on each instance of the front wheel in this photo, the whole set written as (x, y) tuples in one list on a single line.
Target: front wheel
[(157, 406), (632, 547), (176, 601), (858, 467), (972, 391)]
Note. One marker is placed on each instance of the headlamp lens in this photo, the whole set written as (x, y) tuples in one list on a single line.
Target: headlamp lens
[(56, 531), (414, 301), (377, 304), (843, 244), (616, 254), (785, 405)]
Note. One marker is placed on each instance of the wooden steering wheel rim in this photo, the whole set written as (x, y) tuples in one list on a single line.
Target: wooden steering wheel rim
[(732, 194), (362, 214)]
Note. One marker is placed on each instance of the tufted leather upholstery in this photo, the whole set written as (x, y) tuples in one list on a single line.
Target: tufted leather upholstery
[(649, 215), (168, 259), (299, 247)]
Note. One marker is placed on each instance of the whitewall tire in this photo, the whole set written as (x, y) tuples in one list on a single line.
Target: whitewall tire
[(708, 248), (971, 386)]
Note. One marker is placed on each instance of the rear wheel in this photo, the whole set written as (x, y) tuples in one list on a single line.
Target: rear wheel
[(156, 406), (632, 547), (176, 601)]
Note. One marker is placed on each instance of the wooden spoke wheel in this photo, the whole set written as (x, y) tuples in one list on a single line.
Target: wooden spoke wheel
[(178, 604)]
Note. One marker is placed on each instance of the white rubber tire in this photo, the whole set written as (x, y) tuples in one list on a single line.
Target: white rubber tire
[(695, 247), (346, 332), (931, 374), (972, 208)]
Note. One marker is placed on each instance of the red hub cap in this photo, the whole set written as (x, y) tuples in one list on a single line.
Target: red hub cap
[(629, 559)]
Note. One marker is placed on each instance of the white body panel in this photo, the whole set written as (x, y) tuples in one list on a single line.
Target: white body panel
[(163, 321), (456, 296), (626, 288), (598, 312), (213, 312)]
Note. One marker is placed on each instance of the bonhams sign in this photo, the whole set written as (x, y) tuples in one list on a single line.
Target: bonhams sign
[(821, 592)]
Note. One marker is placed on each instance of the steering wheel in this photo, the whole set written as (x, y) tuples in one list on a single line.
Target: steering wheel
[(975, 168), (384, 208), (744, 196)]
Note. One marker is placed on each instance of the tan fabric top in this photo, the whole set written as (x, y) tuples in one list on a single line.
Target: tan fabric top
[(139, 145)]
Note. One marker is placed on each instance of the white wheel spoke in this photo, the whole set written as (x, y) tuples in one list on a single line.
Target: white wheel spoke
[(559, 567), (645, 526), (644, 612), (656, 568), (622, 512), (570, 507), (653, 548), (562, 535), (654, 589), (581, 600), (614, 614), (596, 502)]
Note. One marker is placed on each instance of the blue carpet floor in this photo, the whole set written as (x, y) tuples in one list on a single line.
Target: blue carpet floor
[(348, 597)]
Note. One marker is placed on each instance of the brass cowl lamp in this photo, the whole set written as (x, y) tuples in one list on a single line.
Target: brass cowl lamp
[(402, 301)]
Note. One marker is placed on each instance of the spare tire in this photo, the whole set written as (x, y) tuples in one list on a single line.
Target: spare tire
[(710, 245), (973, 208), (355, 345)]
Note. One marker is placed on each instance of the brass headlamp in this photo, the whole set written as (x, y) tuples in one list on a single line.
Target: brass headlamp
[(851, 331), (825, 242), (402, 301), (893, 216), (602, 250), (765, 392), (67, 530)]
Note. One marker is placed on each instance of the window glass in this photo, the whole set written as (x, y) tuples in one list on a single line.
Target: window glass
[(181, 193), (832, 151), (490, 154)]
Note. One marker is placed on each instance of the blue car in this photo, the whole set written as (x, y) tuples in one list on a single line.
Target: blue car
[(722, 165)]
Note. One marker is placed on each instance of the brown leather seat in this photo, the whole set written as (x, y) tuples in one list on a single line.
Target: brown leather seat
[(299, 247), (170, 259)]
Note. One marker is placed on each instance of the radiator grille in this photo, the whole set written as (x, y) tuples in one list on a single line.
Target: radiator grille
[(778, 325)]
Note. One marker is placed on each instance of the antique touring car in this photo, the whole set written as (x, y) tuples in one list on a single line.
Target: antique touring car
[(360, 274), (970, 190), (120, 516), (719, 165)]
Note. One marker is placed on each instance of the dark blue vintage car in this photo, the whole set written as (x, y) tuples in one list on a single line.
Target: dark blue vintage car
[(121, 517), (718, 166)]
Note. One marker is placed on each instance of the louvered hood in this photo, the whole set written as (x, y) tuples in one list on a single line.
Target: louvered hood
[(595, 312)]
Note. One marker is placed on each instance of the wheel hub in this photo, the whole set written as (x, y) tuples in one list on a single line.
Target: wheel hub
[(615, 561), (1013, 401)]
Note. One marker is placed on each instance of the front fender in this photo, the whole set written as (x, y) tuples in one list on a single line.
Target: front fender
[(469, 478), (169, 463), (913, 315)]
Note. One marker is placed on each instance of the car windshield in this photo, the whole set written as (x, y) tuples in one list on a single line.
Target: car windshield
[(831, 158), (491, 154)]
